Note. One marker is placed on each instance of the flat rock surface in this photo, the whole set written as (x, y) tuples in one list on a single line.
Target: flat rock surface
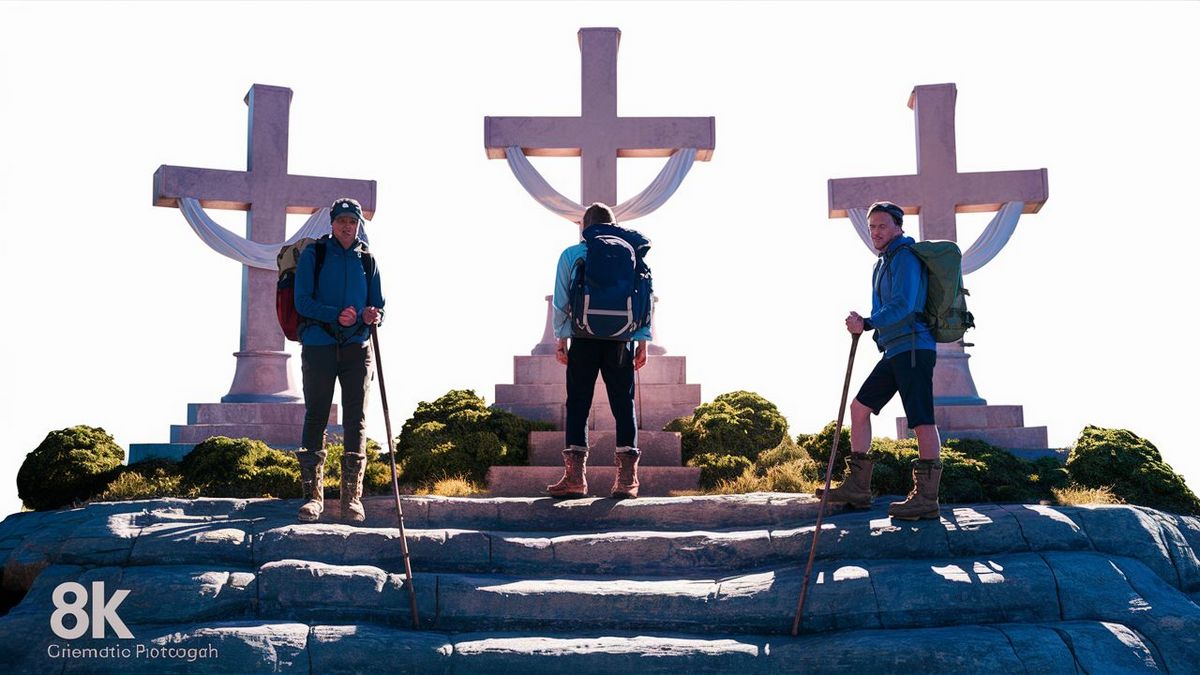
[(689, 584)]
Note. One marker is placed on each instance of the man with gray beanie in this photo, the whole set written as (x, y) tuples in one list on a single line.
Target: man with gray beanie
[(338, 297)]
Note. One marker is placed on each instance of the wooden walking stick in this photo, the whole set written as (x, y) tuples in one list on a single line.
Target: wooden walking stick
[(408, 575), (837, 436)]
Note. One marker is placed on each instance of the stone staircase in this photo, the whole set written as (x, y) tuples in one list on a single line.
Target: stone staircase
[(276, 424), (689, 584)]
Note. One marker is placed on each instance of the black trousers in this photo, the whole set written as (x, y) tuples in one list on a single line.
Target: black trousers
[(613, 361), (351, 367)]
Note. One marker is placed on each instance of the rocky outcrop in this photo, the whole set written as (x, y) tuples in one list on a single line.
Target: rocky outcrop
[(689, 584)]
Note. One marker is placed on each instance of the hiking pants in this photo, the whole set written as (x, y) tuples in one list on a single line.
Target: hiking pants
[(350, 366), (613, 360)]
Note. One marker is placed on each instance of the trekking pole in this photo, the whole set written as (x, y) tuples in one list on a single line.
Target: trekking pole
[(408, 575), (837, 436)]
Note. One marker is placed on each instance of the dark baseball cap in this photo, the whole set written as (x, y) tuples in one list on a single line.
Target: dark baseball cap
[(343, 206)]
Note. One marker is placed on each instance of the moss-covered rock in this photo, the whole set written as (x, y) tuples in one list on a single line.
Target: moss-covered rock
[(739, 423), (459, 435), (227, 467), (1132, 467), (69, 466)]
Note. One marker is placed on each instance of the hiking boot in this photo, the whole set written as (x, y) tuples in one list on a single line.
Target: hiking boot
[(312, 489), (855, 489), (352, 480), (922, 502), (626, 484), (573, 484)]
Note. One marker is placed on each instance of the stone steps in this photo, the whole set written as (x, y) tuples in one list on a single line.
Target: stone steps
[(656, 481), (659, 448), (272, 434), (547, 370), (596, 585)]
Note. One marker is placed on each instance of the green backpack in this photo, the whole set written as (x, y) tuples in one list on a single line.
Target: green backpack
[(945, 303)]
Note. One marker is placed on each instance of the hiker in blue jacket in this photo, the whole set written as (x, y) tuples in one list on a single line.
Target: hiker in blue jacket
[(614, 360), (899, 283), (337, 310)]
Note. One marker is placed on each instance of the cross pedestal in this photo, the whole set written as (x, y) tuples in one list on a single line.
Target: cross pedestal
[(263, 401), (598, 136), (935, 194)]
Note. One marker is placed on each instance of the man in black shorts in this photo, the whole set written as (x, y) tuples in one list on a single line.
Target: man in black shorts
[(899, 284)]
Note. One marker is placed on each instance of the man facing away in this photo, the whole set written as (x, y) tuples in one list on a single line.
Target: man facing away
[(614, 360), (899, 284), (337, 307)]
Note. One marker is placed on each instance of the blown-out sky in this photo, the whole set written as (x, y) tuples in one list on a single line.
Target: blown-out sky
[(118, 316)]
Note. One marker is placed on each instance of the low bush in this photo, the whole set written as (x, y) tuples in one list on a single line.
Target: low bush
[(1131, 467), (377, 479), (458, 434), (152, 478), (227, 467), (716, 468), (738, 423), (68, 467)]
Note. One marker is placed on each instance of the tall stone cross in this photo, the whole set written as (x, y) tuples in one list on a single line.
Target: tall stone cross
[(936, 193), (598, 136), (938, 190), (267, 192)]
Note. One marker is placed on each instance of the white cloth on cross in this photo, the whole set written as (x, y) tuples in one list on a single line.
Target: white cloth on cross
[(243, 250), (993, 238), (643, 203)]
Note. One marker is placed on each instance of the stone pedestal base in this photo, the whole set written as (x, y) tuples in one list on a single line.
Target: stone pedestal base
[(262, 377), (276, 424), (539, 392), (1000, 425)]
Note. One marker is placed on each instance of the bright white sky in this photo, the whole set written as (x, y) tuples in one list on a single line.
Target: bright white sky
[(119, 316)]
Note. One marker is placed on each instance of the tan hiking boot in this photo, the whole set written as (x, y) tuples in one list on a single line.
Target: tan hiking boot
[(573, 484), (626, 484), (312, 488), (351, 489), (855, 490), (922, 502)]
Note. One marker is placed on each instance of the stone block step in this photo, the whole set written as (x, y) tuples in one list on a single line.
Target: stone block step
[(650, 417), (277, 646), (251, 413), (1031, 438), (531, 481), (649, 394), (547, 370), (173, 451), (271, 434), (659, 448), (971, 417)]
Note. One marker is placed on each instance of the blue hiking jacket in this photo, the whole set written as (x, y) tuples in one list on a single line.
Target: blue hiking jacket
[(898, 288), (562, 294), (343, 284)]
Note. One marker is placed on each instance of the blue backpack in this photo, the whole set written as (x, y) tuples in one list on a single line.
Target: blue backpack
[(611, 286)]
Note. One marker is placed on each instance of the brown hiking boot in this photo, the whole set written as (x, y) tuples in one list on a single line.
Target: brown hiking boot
[(922, 502), (626, 484), (855, 490), (351, 489), (312, 489), (573, 484)]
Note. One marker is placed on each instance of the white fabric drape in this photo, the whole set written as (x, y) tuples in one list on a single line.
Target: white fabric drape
[(993, 238), (643, 203), (243, 250)]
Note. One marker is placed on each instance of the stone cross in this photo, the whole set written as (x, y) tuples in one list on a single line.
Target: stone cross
[(267, 192), (936, 193), (938, 190), (598, 136)]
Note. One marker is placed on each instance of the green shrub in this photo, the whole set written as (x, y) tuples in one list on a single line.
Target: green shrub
[(458, 435), (153, 481), (227, 467), (716, 468), (819, 444), (69, 466), (739, 423), (1131, 467)]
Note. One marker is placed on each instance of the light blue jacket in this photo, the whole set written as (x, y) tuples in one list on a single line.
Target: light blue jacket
[(562, 294), (898, 288), (343, 284)]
